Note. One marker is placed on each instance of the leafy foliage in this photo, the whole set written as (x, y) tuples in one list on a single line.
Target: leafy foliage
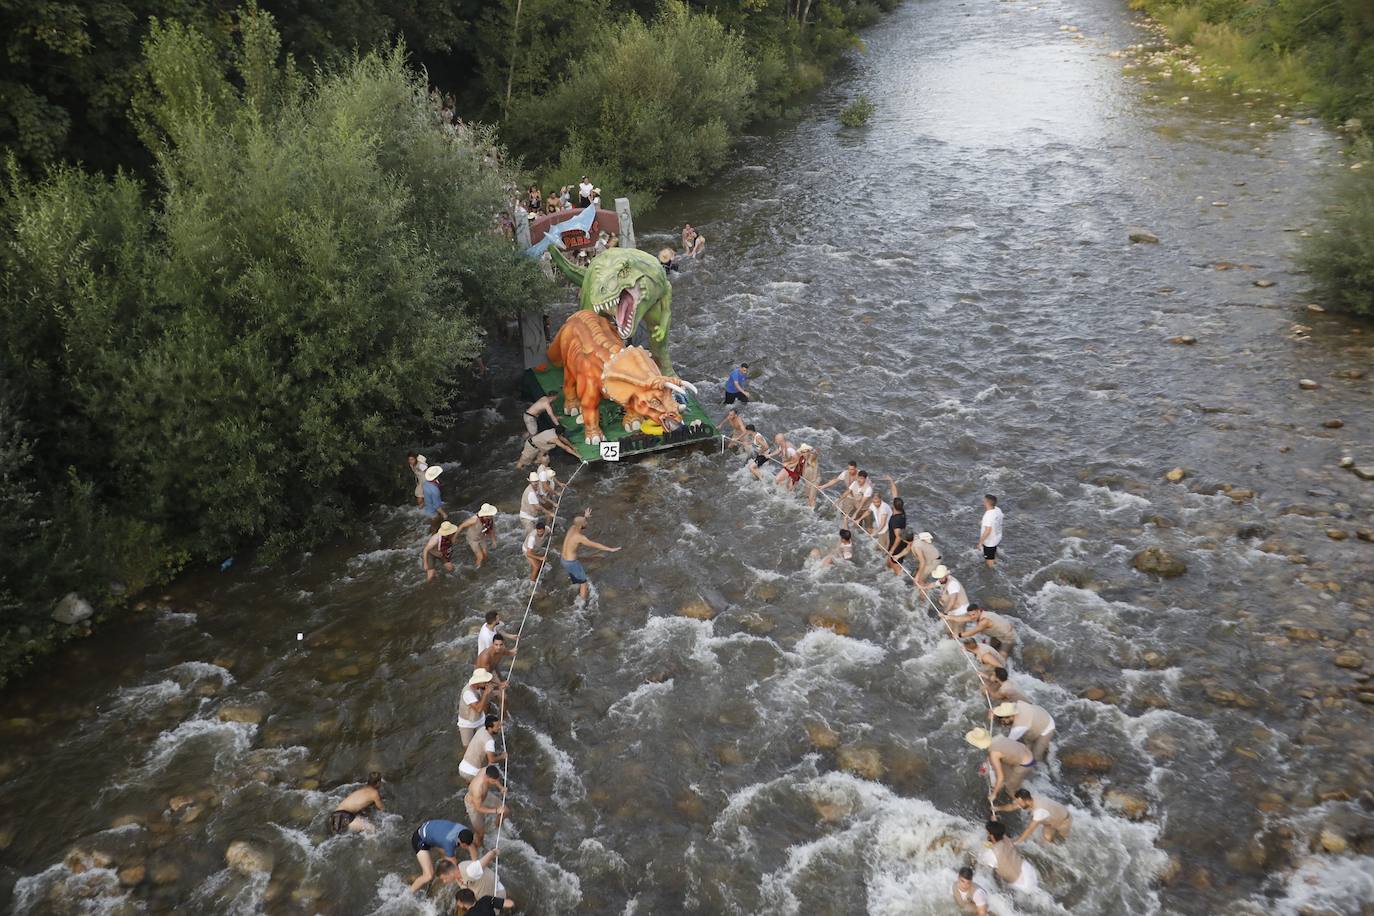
[(1341, 256), (857, 113)]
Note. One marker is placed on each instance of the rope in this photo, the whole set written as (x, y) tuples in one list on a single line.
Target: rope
[(515, 653), (926, 597)]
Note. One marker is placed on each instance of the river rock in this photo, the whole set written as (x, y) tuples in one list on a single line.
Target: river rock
[(997, 603), (1336, 534), (177, 802), (1348, 659), (834, 625), (1352, 374), (248, 859), (1095, 694), (1264, 284), (1365, 534), (1307, 384), (167, 873), (1089, 761), (133, 875), (864, 762), (249, 715), (1130, 806), (126, 820), (697, 610), (72, 609), (1160, 562), (1175, 475), (1363, 471), (1143, 236), (729, 755), (1186, 340), (1333, 842), (756, 623), (1334, 423), (822, 736)]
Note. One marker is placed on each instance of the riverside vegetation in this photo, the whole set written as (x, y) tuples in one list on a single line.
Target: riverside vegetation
[(235, 285), (1322, 52)]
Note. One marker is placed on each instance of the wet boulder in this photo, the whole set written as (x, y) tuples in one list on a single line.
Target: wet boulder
[(864, 762), (72, 609), (247, 858), (248, 715), (1159, 562), (822, 736), (697, 609), (1127, 804), (1087, 760), (1143, 236)]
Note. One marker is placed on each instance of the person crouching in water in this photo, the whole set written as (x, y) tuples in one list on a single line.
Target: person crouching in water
[(841, 550), (354, 813)]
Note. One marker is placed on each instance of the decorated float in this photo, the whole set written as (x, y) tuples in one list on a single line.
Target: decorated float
[(615, 399)]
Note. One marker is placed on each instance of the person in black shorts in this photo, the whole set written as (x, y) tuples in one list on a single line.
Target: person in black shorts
[(734, 385), (487, 906)]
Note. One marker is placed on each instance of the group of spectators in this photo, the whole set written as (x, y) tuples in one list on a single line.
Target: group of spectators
[(585, 194)]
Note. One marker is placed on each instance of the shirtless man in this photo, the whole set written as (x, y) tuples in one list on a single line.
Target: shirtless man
[(535, 545), (489, 780), (533, 504), (977, 620), (1005, 859), (792, 470), (479, 531), (811, 473), (845, 478), (575, 538), (1009, 762), (1047, 815), (481, 750), (1028, 723), (472, 704), (997, 684), (354, 813), (759, 446), (542, 406), (969, 899), (495, 653), (739, 435), (984, 654), (438, 549)]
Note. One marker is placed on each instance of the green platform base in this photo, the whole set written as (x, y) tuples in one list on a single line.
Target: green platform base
[(549, 380)]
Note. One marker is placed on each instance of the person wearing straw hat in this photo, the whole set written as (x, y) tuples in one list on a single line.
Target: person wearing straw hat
[(444, 836), (418, 466), (481, 750), (438, 549), (927, 557), (953, 598), (474, 801), (549, 484), (575, 538), (533, 505), (536, 547), (969, 898), (667, 257), (977, 619), (1047, 815), (1028, 723), (472, 704), (1009, 761), (433, 506), (1002, 856), (480, 528)]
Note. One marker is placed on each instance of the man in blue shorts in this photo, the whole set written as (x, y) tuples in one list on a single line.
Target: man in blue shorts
[(445, 836), (575, 538), (734, 385)]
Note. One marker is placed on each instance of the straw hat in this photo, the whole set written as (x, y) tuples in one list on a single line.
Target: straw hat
[(940, 572), (421, 459), (1003, 710), (447, 528), (665, 255), (482, 675), (534, 476), (979, 738), (547, 473), (487, 511), (805, 448), (433, 472), (925, 536)]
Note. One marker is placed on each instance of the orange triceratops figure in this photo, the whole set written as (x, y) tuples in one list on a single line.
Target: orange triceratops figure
[(596, 363)]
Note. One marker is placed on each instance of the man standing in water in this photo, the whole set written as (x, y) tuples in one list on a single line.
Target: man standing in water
[(481, 751), (534, 548), (353, 814), (542, 406), (927, 558), (1005, 859), (999, 688), (759, 447), (472, 704), (575, 538), (991, 533), (969, 898), (533, 504), (433, 506), (489, 780), (439, 549), (734, 385), (479, 531), (1009, 762), (1047, 815), (1028, 723)]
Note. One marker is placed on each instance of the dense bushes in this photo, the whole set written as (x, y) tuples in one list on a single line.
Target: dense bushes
[(234, 355), (1341, 256)]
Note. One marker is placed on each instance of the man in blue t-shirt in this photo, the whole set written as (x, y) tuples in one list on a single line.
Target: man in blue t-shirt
[(445, 836), (734, 385)]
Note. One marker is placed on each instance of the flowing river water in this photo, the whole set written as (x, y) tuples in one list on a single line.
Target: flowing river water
[(949, 296)]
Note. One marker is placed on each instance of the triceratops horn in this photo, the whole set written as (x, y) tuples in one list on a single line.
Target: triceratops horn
[(678, 388)]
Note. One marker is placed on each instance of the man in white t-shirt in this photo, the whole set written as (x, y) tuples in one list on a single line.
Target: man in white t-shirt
[(584, 192), (991, 534), (481, 750), (536, 549), (969, 899), (533, 504), (489, 631), (953, 598)]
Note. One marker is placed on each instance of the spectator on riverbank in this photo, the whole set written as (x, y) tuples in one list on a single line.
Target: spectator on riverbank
[(534, 202), (734, 382), (418, 466), (990, 534), (584, 192)]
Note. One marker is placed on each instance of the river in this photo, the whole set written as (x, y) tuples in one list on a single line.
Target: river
[(949, 296)]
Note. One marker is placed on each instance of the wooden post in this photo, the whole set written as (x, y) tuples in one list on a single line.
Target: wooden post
[(627, 225), (534, 343)]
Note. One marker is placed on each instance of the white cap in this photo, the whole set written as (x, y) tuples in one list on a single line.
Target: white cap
[(940, 572), (925, 536)]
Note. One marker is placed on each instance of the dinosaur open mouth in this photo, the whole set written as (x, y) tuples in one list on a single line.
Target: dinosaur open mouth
[(621, 308)]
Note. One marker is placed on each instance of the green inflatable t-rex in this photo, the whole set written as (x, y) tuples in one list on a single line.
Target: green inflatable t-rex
[(627, 286)]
